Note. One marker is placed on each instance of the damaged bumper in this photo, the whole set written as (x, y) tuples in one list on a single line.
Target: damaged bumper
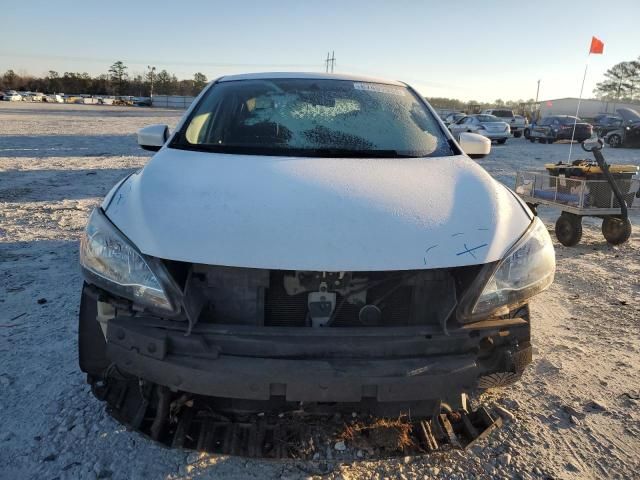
[(310, 365)]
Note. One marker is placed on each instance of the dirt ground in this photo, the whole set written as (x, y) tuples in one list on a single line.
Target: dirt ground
[(575, 411)]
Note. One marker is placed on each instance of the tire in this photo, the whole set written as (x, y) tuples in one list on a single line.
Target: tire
[(502, 141), (615, 141), (517, 134), (569, 229), (616, 230), (527, 133), (532, 140)]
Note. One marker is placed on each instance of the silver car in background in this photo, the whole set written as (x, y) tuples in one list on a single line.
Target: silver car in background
[(488, 126)]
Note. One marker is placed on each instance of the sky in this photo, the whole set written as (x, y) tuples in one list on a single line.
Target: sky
[(472, 50)]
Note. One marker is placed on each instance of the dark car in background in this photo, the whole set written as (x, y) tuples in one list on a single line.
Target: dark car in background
[(560, 127), (604, 123), (627, 132)]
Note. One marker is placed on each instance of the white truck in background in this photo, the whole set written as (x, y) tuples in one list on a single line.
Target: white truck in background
[(517, 122)]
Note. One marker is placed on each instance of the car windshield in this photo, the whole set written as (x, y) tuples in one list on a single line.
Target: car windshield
[(488, 118), (313, 117), (502, 113)]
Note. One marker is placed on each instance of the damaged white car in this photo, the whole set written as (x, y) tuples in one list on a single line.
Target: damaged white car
[(306, 238)]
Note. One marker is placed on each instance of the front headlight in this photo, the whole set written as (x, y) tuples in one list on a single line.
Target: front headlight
[(526, 270), (112, 262)]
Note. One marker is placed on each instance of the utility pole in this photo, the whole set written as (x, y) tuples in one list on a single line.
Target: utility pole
[(330, 61), (152, 72), (537, 92)]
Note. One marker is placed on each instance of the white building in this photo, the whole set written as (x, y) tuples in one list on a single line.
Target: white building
[(589, 108)]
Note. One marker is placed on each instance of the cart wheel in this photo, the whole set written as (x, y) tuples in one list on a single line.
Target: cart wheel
[(533, 207), (569, 229), (616, 230), (532, 140)]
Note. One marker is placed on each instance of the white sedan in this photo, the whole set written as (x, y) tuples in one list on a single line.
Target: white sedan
[(306, 238), (488, 126)]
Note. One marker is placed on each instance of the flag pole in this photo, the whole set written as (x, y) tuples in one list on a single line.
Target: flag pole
[(575, 120)]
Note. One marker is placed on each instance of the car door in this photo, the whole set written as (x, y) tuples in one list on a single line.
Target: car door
[(632, 136)]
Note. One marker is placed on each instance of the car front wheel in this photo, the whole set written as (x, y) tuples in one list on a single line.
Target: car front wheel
[(517, 134)]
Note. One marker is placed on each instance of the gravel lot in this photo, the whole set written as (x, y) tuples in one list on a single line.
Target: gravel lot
[(576, 409)]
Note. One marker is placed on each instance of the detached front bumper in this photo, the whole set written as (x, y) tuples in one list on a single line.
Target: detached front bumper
[(305, 364)]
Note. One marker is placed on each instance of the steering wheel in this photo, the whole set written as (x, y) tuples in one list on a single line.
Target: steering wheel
[(597, 146)]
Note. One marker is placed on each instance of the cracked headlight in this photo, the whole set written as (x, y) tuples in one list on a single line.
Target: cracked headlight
[(526, 270), (112, 262)]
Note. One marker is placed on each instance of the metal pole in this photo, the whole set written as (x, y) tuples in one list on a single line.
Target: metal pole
[(536, 102), (575, 121)]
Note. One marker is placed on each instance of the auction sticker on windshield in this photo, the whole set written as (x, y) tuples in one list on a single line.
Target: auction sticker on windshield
[(376, 87)]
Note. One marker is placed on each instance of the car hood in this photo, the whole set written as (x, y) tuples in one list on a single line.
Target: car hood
[(322, 214), (628, 114)]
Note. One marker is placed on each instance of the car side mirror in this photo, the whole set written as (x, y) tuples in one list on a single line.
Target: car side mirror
[(153, 137), (474, 145)]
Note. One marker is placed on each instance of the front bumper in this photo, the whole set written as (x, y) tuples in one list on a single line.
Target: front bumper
[(305, 364), (495, 135)]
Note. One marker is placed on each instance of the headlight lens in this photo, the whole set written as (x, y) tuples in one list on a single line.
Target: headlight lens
[(527, 270), (111, 260)]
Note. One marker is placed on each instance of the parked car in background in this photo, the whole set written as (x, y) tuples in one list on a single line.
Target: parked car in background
[(33, 97), (628, 136), (517, 123), (486, 125), (53, 98), (11, 96), (559, 127), (306, 238), (453, 118), (605, 123)]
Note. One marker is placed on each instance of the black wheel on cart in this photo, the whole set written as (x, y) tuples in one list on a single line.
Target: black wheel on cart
[(616, 230), (517, 134), (569, 229)]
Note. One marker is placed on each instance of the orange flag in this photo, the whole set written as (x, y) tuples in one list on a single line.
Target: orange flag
[(597, 46)]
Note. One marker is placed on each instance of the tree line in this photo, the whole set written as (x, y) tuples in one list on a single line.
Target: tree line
[(117, 81), (621, 82)]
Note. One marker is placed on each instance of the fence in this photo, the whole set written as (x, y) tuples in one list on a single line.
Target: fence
[(171, 101)]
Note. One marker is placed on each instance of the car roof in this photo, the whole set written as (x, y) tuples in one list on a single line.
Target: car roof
[(308, 75)]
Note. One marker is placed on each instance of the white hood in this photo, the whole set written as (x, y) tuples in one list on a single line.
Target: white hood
[(324, 214)]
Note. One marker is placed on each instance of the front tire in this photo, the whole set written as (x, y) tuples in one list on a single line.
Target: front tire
[(616, 230), (615, 141), (527, 133), (569, 229), (517, 134), (502, 141)]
